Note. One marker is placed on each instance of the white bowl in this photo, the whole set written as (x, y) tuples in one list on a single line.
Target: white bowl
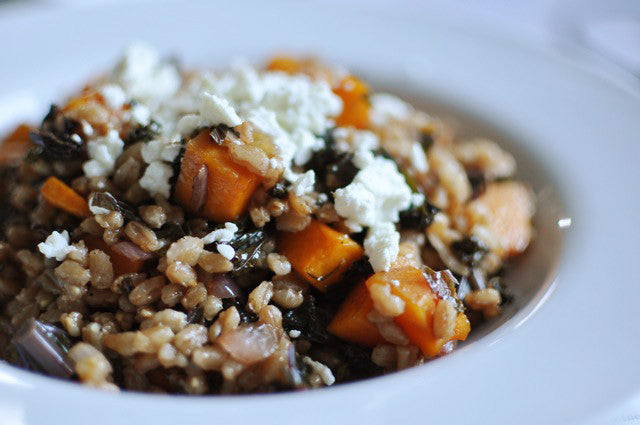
[(575, 136)]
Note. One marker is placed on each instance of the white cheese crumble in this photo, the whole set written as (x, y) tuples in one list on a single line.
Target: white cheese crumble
[(113, 95), (386, 107), (215, 110), (382, 245), (103, 152), (304, 183), (145, 76), (56, 246), (159, 150), (226, 251), (350, 139), (225, 234), (156, 179), (294, 333), (377, 195), (292, 109), (322, 370), (140, 114)]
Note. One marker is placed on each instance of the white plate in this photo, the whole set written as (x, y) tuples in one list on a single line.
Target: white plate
[(567, 359)]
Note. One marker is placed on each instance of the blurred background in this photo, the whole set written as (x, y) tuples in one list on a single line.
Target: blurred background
[(604, 33)]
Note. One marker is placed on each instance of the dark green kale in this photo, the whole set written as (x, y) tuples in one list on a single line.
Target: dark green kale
[(469, 250), (143, 133), (334, 169), (59, 137)]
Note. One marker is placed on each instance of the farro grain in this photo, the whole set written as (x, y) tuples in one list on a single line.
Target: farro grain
[(31, 263), (260, 296), (182, 274), (142, 236), (186, 250), (212, 262), (101, 269), (147, 291), (384, 355), (444, 320), (72, 273), (211, 307), (486, 300), (90, 364), (128, 343), (194, 296), (168, 356), (111, 221), (385, 303), (158, 335), (72, 323), (271, 315), (154, 215), (287, 293), (190, 338), (171, 294), (175, 320), (208, 357), (278, 264)]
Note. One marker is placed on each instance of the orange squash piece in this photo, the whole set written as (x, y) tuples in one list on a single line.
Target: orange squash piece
[(411, 286), (319, 253), (355, 109), (350, 322), (284, 64), (229, 185), (15, 146), (61, 196), (511, 207)]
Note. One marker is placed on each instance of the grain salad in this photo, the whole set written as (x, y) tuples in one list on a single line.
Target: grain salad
[(247, 230)]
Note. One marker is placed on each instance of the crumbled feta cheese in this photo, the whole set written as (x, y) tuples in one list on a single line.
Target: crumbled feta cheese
[(140, 114), (226, 251), (294, 333), (419, 158), (95, 209), (304, 183), (348, 138), (113, 95), (188, 123), (103, 152), (386, 107), (322, 370), (382, 246), (292, 109), (159, 150), (417, 199), (156, 179), (145, 76), (56, 246), (225, 234), (215, 110), (377, 195)]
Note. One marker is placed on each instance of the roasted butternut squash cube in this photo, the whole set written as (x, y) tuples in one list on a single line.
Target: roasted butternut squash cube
[(511, 207), (355, 105), (409, 284), (227, 187), (15, 146), (61, 196), (350, 322), (319, 253)]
